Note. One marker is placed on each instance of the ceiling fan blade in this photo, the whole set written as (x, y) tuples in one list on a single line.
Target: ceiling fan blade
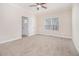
[(44, 7), (38, 3), (42, 3)]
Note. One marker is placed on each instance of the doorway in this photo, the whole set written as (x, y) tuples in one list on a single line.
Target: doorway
[(24, 26)]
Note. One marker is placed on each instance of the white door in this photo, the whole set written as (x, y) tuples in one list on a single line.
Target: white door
[(24, 26)]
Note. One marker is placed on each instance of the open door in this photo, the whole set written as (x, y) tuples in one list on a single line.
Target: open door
[(24, 26)]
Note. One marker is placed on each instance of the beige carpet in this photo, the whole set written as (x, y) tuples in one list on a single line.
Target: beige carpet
[(39, 45)]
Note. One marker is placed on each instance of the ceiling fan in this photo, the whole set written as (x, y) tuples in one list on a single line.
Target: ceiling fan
[(38, 5)]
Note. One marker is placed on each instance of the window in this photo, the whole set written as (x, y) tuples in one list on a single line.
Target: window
[(52, 23)]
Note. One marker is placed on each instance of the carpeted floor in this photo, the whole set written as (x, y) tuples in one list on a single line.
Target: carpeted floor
[(39, 45)]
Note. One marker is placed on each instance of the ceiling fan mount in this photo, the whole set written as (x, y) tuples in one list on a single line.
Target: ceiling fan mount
[(38, 5)]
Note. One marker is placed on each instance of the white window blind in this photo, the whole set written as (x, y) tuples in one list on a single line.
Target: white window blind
[(52, 23)]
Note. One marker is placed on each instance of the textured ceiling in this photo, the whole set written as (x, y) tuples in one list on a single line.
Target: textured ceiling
[(50, 6)]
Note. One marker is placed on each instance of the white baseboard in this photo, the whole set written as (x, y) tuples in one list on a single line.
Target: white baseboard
[(31, 34), (17, 38), (63, 36)]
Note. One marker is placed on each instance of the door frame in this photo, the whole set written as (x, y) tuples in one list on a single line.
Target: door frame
[(23, 18)]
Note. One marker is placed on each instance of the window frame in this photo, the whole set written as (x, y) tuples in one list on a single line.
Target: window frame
[(54, 26)]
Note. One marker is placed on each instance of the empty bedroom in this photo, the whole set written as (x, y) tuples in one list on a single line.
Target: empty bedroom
[(39, 29)]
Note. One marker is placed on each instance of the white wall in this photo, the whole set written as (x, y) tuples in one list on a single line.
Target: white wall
[(75, 25), (10, 22)]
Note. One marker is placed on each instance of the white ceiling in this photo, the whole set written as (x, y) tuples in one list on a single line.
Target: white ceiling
[(50, 6)]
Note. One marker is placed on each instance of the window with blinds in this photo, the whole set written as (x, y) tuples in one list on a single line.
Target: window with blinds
[(52, 23)]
